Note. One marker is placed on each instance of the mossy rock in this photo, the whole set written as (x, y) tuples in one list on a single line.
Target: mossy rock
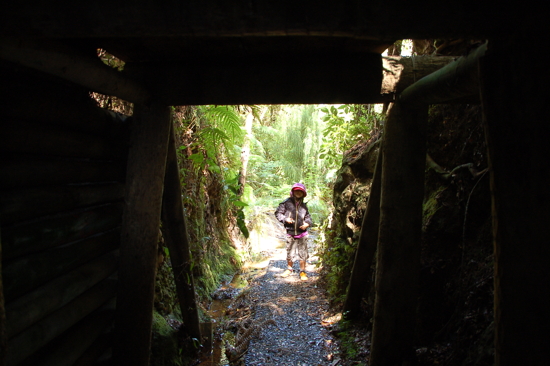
[(164, 345)]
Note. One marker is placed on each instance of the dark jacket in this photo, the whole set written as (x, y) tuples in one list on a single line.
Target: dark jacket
[(295, 209)]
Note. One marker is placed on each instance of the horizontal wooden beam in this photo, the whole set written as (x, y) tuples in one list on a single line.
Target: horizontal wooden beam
[(64, 62), (47, 140), (53, 263), (32, 203), (364, 19), (458, 80), (34, 306), (247, 78), (401, 72), (32, 339), (40, 235)]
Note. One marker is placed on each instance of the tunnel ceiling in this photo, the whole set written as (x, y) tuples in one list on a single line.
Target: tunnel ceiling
[(210, 46)]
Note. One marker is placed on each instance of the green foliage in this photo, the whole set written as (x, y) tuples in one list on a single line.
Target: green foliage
[(164, 343), (348, 344), (345, 126), (336, 255), (208, 178)]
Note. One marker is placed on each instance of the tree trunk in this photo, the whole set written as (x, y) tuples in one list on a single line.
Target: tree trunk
[(245, 153), (177, 241), (360, 283), (517, 129), (398, 261), (140, 234)]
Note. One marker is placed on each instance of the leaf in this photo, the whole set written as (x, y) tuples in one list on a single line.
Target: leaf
[(240, 203), (197, 158)]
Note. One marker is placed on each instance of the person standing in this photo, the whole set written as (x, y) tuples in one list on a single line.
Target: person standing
[(294, 215)]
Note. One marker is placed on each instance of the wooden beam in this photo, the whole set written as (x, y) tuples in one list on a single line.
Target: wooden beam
[(398, 261), (32, 339), (34, 306), (457, 81), (74, 343), (28, 171), (366, 20), (55, 262), (40, 235), (278, 78), (177, 240), (515, 108), (402, 72), (360, 283), (62, 61), (31, 203), (140, 233), (47, 140)]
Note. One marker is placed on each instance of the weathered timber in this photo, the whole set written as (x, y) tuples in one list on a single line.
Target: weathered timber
[(32, 307), (285, 78), (82, 69), (41, 267), (515, 108), (177, 240), (32, 339), (140, 231), (34, 171), (56, 141), (52, 231), (37, 97), (24, 204), (458, 81), (401, 72), (99, 348), (72, 345), (209, 18), (360, 283), (398, 259)]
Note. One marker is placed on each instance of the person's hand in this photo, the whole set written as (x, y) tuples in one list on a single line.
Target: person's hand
[(304, 226), (290, 220)]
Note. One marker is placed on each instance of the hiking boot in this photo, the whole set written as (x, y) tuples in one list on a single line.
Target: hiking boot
[(303, 276), (286, 273)]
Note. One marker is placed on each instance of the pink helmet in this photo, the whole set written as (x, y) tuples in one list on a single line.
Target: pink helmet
[(298, 187)]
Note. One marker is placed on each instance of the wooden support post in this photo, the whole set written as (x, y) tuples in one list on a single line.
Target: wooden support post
[(177, 241), (140, 231), (515, 107), (398, 260), (360, 283)]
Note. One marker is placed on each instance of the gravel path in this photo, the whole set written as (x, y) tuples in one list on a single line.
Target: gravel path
[(301, 335)]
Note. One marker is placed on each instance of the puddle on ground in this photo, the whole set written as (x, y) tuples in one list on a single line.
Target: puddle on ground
[(219, 307)]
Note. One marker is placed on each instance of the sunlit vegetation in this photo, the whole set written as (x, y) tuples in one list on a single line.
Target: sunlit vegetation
[(286, 144)]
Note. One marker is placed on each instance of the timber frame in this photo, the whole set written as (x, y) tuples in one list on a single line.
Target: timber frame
[(83, 190)]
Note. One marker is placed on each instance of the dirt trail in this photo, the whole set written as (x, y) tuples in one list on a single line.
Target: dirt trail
[(300, 331)]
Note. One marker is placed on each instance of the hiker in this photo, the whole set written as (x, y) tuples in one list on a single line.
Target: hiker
[(293, 213)]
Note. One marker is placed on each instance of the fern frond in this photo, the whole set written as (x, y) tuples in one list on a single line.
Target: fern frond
[(213, 136), (226, 118)]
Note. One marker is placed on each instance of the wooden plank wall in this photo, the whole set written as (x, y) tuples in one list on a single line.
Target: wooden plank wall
[(61, 198)]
